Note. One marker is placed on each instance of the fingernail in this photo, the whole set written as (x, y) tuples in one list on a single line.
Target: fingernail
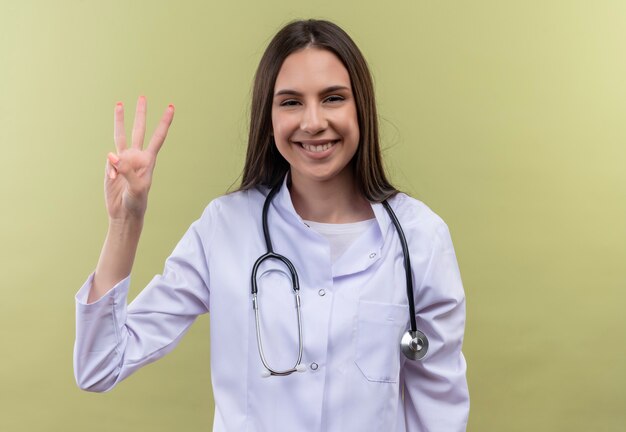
[(119, 105), (113, 158), (171, 106), (112, 174)]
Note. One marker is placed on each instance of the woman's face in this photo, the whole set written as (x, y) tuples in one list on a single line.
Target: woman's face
[(314, 116)]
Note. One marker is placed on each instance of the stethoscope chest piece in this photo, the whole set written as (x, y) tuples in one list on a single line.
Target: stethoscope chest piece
[(414, 345)]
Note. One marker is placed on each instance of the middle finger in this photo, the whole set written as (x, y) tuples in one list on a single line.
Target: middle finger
[(139, 126)]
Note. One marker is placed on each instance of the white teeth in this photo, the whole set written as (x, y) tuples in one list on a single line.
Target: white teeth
[(317, 148)]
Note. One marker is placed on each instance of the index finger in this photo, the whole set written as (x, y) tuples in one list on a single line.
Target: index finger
[(119, 134), (161, 131)]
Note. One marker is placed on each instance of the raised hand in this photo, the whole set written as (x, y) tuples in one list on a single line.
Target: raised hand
[(129, 172)]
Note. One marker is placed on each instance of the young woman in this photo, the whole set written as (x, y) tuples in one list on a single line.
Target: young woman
[(316, 206)]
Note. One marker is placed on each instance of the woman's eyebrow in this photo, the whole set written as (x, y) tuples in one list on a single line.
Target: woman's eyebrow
[(291, 92)]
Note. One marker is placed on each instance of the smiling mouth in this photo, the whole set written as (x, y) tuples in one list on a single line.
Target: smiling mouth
[(318, 148)]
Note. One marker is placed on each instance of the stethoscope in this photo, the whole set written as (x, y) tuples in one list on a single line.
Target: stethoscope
[(414, 343)]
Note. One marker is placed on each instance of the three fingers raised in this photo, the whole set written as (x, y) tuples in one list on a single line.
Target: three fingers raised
[(138, 133), (139, 127)]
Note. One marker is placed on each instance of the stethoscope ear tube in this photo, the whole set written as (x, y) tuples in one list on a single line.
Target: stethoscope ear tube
[(298, 367), (295, 285), (257, 317)]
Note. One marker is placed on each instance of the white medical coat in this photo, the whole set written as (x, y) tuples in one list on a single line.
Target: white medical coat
[(354, 313)]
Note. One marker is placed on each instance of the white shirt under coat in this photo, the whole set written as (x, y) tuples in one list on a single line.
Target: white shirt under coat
[(354, 312)]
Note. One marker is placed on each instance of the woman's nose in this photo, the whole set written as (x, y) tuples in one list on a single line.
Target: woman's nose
[(313, 120)]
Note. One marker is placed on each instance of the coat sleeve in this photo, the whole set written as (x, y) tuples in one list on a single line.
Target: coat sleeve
[(113, 340), (436, 396)]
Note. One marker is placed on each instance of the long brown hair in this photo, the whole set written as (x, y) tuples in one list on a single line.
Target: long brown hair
[(264, 164)]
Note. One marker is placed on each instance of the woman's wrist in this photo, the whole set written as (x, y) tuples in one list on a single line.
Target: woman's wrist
[(126, 226)]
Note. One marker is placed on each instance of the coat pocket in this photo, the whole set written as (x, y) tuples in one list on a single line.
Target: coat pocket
[(379, 330)]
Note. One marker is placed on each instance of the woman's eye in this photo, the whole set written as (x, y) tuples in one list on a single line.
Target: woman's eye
[(334, 98), (289, 102)]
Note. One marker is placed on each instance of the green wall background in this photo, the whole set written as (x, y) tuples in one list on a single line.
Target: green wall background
[(506, 117)]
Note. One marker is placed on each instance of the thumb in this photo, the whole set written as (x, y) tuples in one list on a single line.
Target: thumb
[(110, 169), (119, 165)]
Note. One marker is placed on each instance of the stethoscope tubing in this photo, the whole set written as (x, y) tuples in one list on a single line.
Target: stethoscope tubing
[(407, 264)]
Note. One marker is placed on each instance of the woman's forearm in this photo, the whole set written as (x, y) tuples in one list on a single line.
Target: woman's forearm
[(117, 256)]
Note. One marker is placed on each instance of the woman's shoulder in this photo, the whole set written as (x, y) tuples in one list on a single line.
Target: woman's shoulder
[(233, 205), (413, 211), (415, 215)]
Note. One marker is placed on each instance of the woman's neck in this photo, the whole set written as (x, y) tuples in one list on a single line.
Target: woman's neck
[(334, 201)]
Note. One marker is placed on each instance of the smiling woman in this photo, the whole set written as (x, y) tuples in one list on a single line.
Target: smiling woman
[(313, 177), (315, 125), (317, 132)]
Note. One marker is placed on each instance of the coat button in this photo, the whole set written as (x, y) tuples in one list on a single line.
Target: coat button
[(372, 255), (322, 292), (314, 366)]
